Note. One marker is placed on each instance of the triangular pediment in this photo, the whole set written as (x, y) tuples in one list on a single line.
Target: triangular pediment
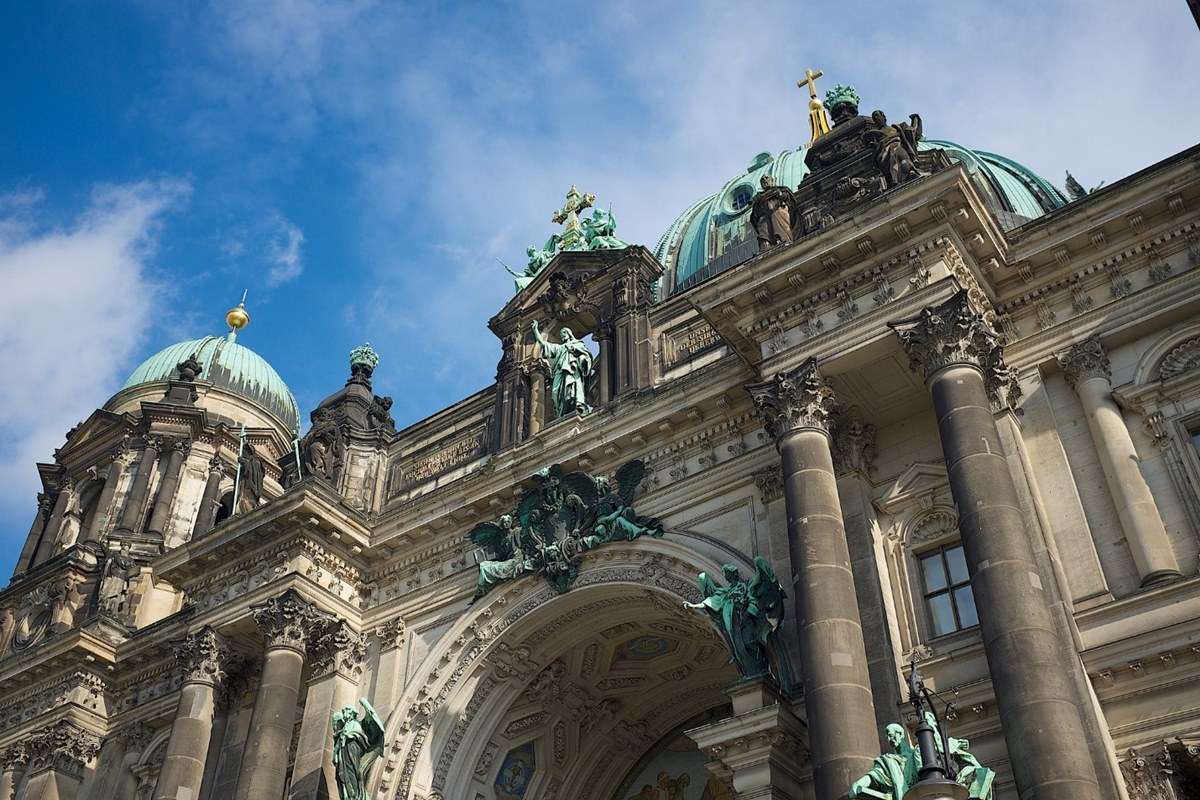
[(921, 482), (100, 429)]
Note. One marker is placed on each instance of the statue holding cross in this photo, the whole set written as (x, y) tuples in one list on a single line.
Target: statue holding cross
[(818, 120)]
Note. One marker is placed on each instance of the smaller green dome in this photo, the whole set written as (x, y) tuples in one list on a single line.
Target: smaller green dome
[(228, 365)]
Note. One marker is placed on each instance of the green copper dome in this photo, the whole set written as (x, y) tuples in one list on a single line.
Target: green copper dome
[(714, 233), (228, 365)]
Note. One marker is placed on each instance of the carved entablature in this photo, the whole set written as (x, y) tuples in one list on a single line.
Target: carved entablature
[(438, 459), (794, 400), (954, 333)]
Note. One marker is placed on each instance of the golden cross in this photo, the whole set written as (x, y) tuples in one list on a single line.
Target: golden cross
[(809, 80)]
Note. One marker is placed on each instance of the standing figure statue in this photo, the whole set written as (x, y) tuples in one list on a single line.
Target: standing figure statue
[(356, 745), (892, 774), (570, 364), (772, 214), (600, 231), (251, 468), (895, 147), (747, 613)]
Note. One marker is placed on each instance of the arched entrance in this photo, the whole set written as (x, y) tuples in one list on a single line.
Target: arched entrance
[(540, 696)]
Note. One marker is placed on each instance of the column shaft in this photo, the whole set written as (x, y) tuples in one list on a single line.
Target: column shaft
[(104, 504), (136, 499), (36, 531), (604, 368), (265, 760), (537, 402), (1140, 520), (166, 491), (837, 693), (209, 503), (187, 749), (45, 548), (1029, 666)]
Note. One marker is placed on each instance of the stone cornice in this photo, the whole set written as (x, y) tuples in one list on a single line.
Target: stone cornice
[(955, 333), (794, 400)]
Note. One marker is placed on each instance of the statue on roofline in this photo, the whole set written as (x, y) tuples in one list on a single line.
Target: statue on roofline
[(747, 612), (356, 745), (570, 364), (600, 229), (895, 147), (773, 214)]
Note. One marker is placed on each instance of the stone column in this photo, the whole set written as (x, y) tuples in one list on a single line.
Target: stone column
[(45, 548), (537, 399), (1086, 368), (287, 622), (25, 561), (336, 668), (962, 361), (204, 657), (112, 477), (604, 370), (59, 754), (12, 763), (166, 490), (135, 501), (796, 406), (211, 500)]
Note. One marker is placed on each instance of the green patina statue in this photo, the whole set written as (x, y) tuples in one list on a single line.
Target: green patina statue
[(570, 364), (599, 231), (556, 522), (892, 774), (356, 745), (747, 612)]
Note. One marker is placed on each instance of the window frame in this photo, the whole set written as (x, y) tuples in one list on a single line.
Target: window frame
[(950, 589)]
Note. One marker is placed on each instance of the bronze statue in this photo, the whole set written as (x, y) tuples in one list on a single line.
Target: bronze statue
[(251, 469), (356, 745), (772, 214), (895, 147), (747, 613)]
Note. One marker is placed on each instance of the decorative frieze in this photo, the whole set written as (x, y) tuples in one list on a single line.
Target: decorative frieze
[(289, 620), (956, 333), (794, 400), (1085, 360), (205, 657), (1118, 284)]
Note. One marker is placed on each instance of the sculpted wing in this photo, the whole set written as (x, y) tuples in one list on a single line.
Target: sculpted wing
[(583, 485), (628, 477), (493, 538), (372, 727), (765, 587)]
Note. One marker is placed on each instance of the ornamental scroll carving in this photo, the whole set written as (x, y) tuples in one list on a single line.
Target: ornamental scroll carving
[(957, 333), (289, 621), (1085, 360), (794, 400), (205, 657)]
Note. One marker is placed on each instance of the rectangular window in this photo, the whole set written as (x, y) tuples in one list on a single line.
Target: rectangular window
[(948, 590)]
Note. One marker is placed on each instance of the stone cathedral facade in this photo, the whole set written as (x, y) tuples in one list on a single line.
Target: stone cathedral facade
[(955, 409)]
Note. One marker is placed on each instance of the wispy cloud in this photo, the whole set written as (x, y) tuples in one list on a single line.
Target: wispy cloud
[(283, 252), (78, 299)]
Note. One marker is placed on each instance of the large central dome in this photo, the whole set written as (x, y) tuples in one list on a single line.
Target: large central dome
[(714, 233), (228, 365)]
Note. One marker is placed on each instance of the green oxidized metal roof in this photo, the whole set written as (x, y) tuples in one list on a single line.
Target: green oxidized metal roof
[(229, 365), (716, 225)]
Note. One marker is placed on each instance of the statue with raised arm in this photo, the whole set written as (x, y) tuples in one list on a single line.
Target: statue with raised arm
[(747, 612), (356, 744), (570, 364), (895, 147), (892, 774)]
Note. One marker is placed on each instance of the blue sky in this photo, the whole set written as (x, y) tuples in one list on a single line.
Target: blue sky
[(359, 166)]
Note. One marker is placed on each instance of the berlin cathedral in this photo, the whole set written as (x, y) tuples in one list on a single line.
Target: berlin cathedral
[(878, 476)]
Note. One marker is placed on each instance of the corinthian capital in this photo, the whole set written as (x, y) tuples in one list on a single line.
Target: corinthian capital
[(205, 657), (289, 621), (64, 746), (956, 333), (1085, 360), (794, 400), (14, 757), (340, 649)]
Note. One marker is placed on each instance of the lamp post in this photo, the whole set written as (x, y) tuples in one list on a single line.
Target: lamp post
[(935, 779)]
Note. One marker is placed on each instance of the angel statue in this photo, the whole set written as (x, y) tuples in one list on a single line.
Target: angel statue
[(615, 517), (356, 745), (747, 613), (895, 147), (502, 540)]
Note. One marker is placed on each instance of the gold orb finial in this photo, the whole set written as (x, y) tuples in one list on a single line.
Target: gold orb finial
[(237, 317)]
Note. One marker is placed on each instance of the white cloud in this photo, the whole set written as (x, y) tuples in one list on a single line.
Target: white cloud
[(76, 304), (283, 252)]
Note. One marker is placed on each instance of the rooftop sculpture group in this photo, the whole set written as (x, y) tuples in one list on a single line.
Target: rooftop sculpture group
[(556, 522), (597, 232)]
